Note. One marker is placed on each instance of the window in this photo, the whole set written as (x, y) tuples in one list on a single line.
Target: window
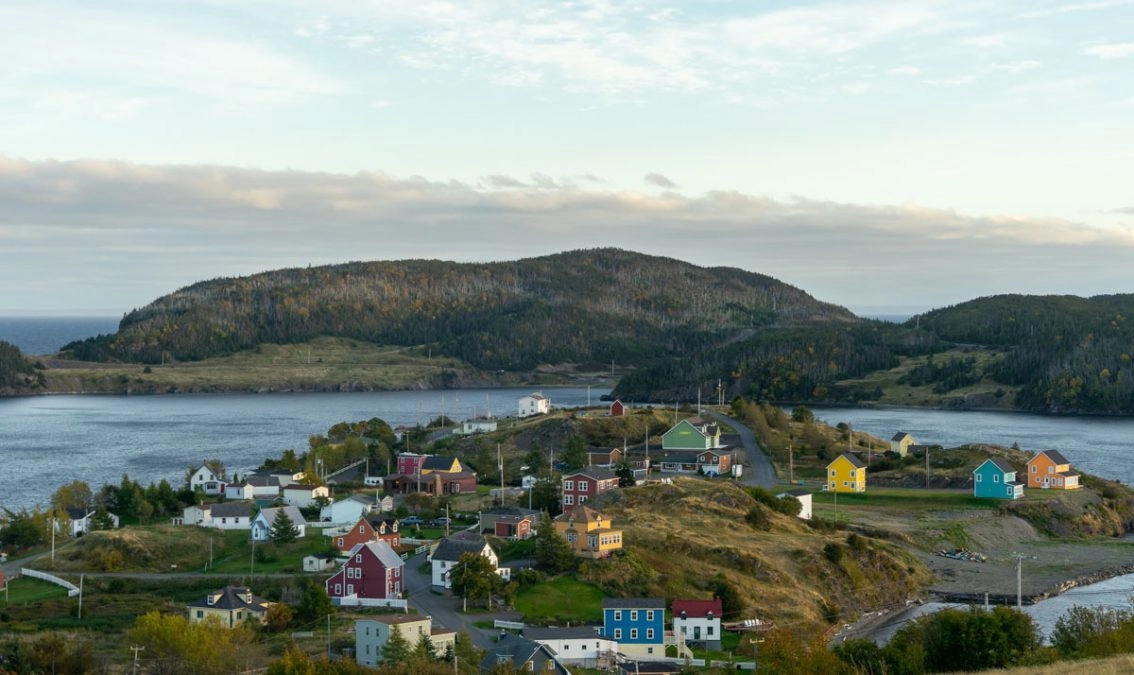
[(649, 650), (582, 498), (650, 634), (978, 477), (358, 558), (995, 478), (650, 615), (239, 615), (341, 544), (617, 633), (633, 615), (1033, 468), (568, 500), (832, 473), (584, 486), (200, 614), (568, 485), (617, 615), (633, 633), (361, 529), (1051, 469), (338, 589)]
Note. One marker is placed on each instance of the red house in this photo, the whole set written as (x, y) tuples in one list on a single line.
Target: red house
[(518, 527), (373, 572), (360, 533), (386, 529), (410, 463), (586, 484), (617, 409), (432, 483)]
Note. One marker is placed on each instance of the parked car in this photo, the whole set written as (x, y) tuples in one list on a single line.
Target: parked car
[(440, 522), (412, 520)]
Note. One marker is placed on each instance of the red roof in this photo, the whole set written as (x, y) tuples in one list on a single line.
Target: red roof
[(697, 609)]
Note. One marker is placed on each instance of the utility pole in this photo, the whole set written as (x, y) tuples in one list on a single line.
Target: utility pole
[(328, 636), (1020, 578), (927, 467), (81, 596), (790, 462), (136, 650)]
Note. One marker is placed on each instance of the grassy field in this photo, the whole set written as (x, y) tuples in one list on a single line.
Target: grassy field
[(24, 590), (561, 600)]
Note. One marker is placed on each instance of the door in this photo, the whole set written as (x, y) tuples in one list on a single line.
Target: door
[(696, 632)]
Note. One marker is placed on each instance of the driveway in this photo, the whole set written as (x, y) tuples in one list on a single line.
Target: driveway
[(759, 470), (445, 608)]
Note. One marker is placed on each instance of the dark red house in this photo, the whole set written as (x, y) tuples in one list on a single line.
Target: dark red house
[(617, 409), (585, 484), (373, 572)]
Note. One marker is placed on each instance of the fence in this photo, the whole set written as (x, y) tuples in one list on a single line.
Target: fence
[(355, 601), (72, 589)]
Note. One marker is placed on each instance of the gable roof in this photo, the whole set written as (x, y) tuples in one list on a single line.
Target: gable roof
[(362, 498), (231, 510), (305, 487), (518, 651), (437, 463), (1053, 455), (595, 472), (633, 603), (1000, 464), (697, 609), (382, 551), (580, 513), (232, 597), (901, 435), (270, 514), (564, 633), (853, 459), (452, 548)]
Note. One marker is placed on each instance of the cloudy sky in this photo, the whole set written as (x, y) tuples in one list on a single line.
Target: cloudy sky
[(886, 156)]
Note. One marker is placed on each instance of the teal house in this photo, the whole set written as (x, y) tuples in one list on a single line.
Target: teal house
[(692, 434), (996, 478)]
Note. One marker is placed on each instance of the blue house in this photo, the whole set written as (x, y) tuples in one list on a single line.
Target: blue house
[(996, 478), (636, 624)]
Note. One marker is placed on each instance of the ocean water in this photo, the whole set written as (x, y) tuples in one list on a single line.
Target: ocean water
[(40, 335)]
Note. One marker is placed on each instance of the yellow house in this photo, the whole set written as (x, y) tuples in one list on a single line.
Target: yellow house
[(846, 474), (230, 606), (588, 533), (901, 443)]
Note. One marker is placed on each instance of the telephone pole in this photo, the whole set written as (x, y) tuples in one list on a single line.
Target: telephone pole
[(1020, 557), (136, 650)]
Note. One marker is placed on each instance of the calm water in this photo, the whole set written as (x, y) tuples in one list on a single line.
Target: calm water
[(1102, 446), (40, 335), (47, 441)]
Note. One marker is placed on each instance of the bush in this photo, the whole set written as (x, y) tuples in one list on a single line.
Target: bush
[(758, 518), (833, 552)]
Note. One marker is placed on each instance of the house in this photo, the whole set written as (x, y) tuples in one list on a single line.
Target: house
[(1050, 469), (804, 498), (386, 529), (534, 404), (617, 409), (588, 533), (698, 621), (263, 486), (207, 481), (588, 483), (434, 483), (517, 654), (372, 634), (318, 562), (692, 433), (716, 462), (476, 425), (901, 443), (372, 572), (636, 624), (996, 478), (448, 553), (437, 464), (409, 463), (239, 491), (264, 521), (81, 520), (304, 495), (579, 646), (507, 519), (513, 527), (847, 473), (231, 605), (602, 457), (226, 516), (348, 510)]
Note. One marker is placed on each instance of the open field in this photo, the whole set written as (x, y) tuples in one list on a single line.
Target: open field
[(561, 600)]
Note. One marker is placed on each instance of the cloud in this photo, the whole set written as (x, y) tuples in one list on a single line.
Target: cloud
[(660, 181), (126, 233), (1109, 52), (1017, 67), (905, 70)]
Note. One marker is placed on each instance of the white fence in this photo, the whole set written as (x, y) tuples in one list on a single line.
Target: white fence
[(355, 601), (72, 589)]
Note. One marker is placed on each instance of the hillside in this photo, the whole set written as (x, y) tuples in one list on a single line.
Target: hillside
[(17, 375), (598, 305)]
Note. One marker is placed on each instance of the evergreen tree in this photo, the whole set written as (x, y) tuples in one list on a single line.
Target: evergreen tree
[(284, 530), (474, 578), (575, 456), (467, 655), (552, 553), (314, 604), (625, 475), (101, 519), (397, 648), (425, 649)]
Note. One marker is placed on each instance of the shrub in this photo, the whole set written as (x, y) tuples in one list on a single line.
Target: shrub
[(833, 552)]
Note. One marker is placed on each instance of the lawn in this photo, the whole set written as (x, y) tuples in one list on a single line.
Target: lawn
[(236, 554), (560, 600), (906, 499), (25, 590)]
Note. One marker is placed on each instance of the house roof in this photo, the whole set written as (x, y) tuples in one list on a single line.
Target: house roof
[(633, 603), (435, 463), (519, 651), (1053, 455), (302, 486), (270, 514), (697, 608), (901, 435), (261, 481), (230, 598), (231, 510), (453, 547), (362, 498), (79, 514), (562, 633), (580, 513), (382, 552), (538, 397), (853, 459), (1001, 464), (797, 492), (391, 619), (595, 472)]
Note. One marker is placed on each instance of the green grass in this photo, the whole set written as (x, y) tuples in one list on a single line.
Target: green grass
[(25, 590), (560, 600), (907, 499), (729, 643), (236, 554)]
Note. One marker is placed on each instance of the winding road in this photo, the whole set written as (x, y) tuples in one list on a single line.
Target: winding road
[(759, 471)]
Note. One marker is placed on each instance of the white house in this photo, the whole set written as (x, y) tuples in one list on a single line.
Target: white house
[(534, 404), (303, 495), (371, 635), (698, 621), (318, 562), (81, 520), (207, 480), (264, 487), (446, 556), (228, 516), (804, 498), (239, 491), (349, 510), (581, 646), (262, 523)]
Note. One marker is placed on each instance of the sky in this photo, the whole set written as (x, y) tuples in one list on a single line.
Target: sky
[(890, 157)]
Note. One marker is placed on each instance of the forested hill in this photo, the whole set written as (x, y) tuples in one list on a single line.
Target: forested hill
[(598, 305), (16, 374), (1066, 353)]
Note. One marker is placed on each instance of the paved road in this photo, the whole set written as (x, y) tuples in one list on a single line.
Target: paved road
[(445, 608), (759, 471)]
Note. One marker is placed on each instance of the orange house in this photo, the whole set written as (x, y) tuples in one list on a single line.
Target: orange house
[(1049, 469), (360, 533)]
